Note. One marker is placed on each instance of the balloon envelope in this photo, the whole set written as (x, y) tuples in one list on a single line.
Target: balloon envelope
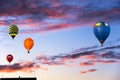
[(28, 44), (9, 58), (101, 31), (13, 30)]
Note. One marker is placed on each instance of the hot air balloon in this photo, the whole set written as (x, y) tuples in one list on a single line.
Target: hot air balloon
[(101, 31), (28, 44), (13, 30), (9, 58)]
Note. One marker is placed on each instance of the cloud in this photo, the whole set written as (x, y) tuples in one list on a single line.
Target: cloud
[(22, 66), (104, 61), (52, 15), (92, 70), (94, 61), (53, 60), (86, 64), (91, 55), (88, 71), (97, 53), (82, 72)]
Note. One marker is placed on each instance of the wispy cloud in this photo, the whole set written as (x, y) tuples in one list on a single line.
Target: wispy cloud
[(86, 64), (88, 71), (104, 61), (102, 55), (92, 70), (88, 56), (82, 72), (92, 56)]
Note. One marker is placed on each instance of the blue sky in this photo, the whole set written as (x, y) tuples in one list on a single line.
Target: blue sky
[(62, 31)]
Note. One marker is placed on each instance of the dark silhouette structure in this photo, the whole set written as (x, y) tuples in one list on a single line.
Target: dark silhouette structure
[(18, 78)]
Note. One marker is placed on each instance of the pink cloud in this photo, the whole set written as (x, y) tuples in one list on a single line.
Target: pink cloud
[(82, 72), (91, 56), (92, 70), (22, 67), (103, 61), (88, 71), (86, 64)]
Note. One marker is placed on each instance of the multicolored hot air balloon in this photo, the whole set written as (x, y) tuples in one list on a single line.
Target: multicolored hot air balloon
[(9, 58), (13, 30), (101, 31), (28, 44)]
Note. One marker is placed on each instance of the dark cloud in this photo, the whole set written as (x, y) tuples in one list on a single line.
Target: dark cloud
[(22, 66), (110, 52), (21, 7), (37, 14), (104, 61)]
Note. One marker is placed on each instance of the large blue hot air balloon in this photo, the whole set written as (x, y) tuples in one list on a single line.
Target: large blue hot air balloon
[(101, 31)]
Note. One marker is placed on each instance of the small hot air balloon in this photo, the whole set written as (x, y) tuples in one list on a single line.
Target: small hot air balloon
[(101, 31), (28, 44), (9, 58), (13, 30)]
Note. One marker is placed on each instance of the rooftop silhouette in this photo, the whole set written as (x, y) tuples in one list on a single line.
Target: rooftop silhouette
[(33, 78)]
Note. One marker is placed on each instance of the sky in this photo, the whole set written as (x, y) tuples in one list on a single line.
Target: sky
[(65, 47)]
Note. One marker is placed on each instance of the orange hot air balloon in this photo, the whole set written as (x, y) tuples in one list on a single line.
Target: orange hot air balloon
[(9, 58), (28, 44)]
